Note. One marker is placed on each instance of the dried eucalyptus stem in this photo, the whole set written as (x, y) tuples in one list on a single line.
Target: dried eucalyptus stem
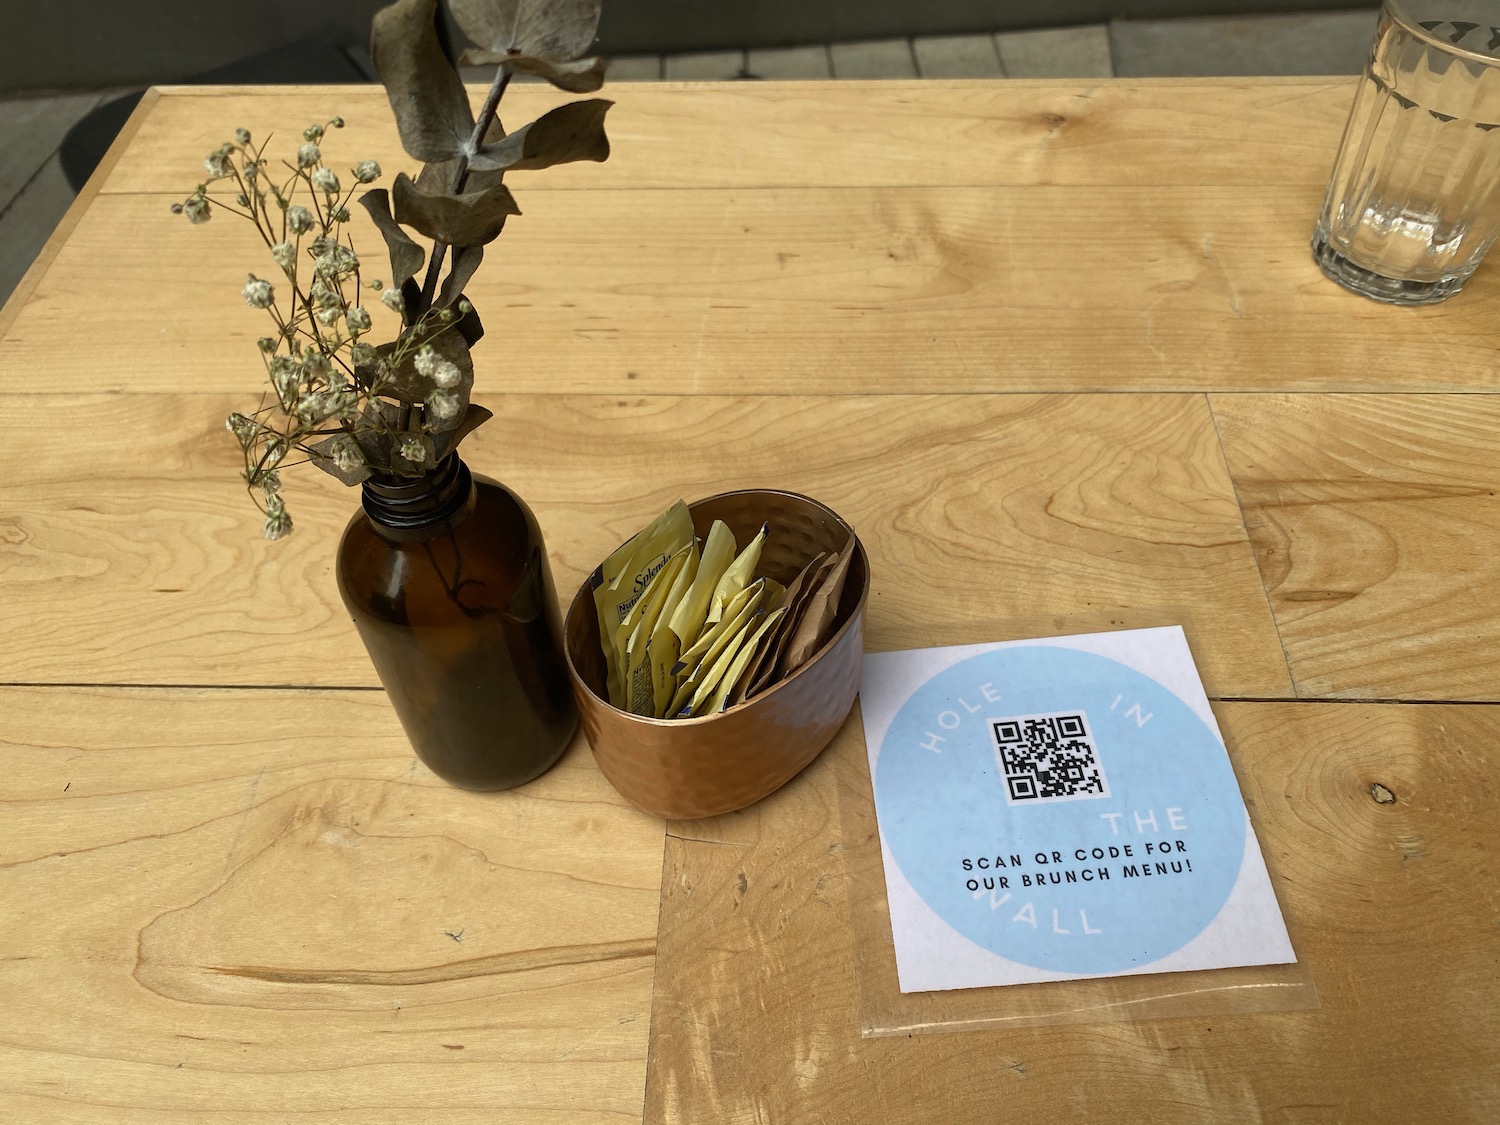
[(482, 125)]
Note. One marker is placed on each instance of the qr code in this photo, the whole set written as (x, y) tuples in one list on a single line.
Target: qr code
[(1048, 757)]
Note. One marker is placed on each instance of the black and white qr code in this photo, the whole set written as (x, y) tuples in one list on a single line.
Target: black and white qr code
[(1048, 757)]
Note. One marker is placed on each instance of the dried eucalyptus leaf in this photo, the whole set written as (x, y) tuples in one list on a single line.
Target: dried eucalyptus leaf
[(581, 76), (437, 178), (376, 433), (551, 30), (320, 456), (411, 300), (560, 136), (445, 443), (465, 261), (425, 91), (471, 219), (406, 256)]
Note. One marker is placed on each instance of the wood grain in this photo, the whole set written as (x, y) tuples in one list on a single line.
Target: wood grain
[(850, 291), (717, 135), (1377, 531), (143, 564), (1390, 905), (257, 906)]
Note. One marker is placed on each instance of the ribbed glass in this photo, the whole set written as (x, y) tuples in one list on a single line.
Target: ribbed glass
[(1414, 200)]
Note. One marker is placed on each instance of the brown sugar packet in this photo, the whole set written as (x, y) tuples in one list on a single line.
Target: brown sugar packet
[(781, 635), (818, 617), (766, 650)]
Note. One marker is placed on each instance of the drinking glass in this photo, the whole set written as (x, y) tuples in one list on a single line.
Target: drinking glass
[(1414, 199)]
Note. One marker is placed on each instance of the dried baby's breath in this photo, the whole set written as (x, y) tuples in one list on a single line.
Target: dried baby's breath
[(354, 408)]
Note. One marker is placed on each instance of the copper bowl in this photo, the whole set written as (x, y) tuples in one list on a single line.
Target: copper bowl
[(687, 768)]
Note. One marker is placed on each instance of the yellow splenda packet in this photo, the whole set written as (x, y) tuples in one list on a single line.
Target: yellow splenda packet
[(699, 660), (621, 580), (739, 667), (640, 686), (737, 577)]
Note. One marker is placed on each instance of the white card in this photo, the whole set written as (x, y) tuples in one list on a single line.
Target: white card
[(1060, 808)]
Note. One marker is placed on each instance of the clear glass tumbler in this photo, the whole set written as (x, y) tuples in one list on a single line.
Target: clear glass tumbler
[(1414, 199)]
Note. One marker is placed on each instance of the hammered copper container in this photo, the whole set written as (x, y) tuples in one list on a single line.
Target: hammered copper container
[(686, 768)]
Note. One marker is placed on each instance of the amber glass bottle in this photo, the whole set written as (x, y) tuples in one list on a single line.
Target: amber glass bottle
[(446, 578)]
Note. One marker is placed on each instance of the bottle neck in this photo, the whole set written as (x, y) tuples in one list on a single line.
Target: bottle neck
[(416, 507)]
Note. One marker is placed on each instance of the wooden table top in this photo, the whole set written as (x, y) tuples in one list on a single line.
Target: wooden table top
[(1057, 350)]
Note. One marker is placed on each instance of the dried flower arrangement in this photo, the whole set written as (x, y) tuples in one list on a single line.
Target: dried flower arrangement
[(398, 408)]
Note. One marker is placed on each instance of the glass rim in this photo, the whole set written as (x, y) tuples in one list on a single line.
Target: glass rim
[(1394, 10)]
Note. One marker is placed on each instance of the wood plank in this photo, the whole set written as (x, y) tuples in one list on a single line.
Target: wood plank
[(757, 975), (829, 291), (759, 134), (256, 906), (1378, 537), (142, 563)]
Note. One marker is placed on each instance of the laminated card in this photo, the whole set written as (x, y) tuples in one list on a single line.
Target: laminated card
[(1061, 808)]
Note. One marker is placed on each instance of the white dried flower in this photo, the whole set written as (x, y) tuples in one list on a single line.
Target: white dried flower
[(285, 253), (443, 404), (267, 344), (323, 405), (464, 308), (243, 427), (308, 155), (299, 219), (324, 179), (413, 448), (197, 210), (327, 317), (276, 449), (316, 364), (324, 296), (358, 320), (392, 299), (270, 482), (367, 171), (217, 162), (426, 360), (363, 355), (345, 453), (286, 376), (251, 173), (258, 294), (312, 133), (336, 259), (242, 136), (278, 523)]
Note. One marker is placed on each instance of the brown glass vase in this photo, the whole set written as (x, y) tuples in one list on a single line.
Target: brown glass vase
[(447, 580)]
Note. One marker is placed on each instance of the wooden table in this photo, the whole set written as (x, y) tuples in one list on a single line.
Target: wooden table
[(1058, 351)]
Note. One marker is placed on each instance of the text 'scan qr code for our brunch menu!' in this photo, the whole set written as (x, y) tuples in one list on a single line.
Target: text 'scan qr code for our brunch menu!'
[(1048, 757)]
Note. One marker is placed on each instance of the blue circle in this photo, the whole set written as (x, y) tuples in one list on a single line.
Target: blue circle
[(941, 797)]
